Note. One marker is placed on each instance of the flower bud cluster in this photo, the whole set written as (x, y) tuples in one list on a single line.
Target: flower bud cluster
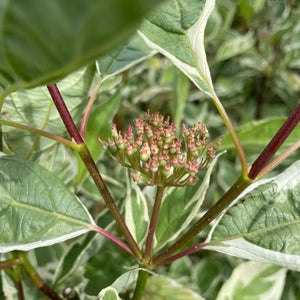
[(161, 158)]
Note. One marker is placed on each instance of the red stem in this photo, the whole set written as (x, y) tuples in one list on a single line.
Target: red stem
[(210, 215), (113, 239), (152, 226), (275, 143), (64, 113), (180, 254), (88, 110), (20, 290)]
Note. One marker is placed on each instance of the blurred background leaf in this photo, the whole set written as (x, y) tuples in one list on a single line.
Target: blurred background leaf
[(42, 42)]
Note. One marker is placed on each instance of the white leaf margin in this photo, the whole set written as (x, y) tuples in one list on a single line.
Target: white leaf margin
[(242, 248), (102, 294), (33, 245), (126, 67), (195, 35), (245, 273), (141, 199)]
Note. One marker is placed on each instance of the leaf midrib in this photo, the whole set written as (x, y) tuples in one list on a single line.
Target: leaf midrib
[(44, 211)]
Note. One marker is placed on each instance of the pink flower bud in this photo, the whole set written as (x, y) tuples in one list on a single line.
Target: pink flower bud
[(193, 180)]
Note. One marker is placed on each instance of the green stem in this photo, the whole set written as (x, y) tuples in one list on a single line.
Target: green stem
[(233, 135), (240, 185), (9, 263), (140, 284), (43, 133), (152, 226), (35, 277)]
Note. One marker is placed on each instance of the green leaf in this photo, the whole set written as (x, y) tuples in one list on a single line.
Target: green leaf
[(269, 229), (36, 208), (178, 209), (78, 254), (179, 97), (160, 287), (255, 281), (125, 280), (105, 267), (136, 211), (249, 8), (217, 270), (291, 289), (60, 160), (176, 30), (43, 41), (34, 107), (109, 293), (257, 134), (124, 57)]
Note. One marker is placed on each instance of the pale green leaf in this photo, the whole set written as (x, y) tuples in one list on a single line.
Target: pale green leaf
[(176, 30), (9, 287), (255, 281), (123, 57), (257, 134), (36, 208), (109, 293), (160, 287), (179, 208), (34, 107), (269, 229), (76, 255), (136, 211), (179, 97), (43, 41), (126, 280), (233, 45)]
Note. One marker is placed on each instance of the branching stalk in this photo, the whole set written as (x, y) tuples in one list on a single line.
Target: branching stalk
[(9, 263), (154, 217), (240, 185), (92, 168)]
